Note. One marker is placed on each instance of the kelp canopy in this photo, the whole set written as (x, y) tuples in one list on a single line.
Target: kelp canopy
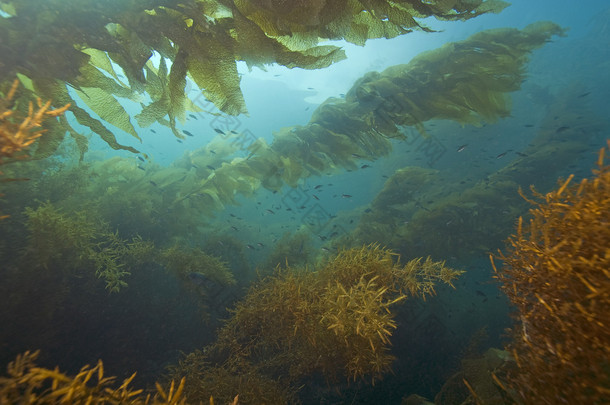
[(466, 81), (58, 44)]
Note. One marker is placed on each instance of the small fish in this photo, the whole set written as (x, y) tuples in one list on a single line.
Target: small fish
[(325, 249), (212, 168), (365, 166), (529, 125), (212, 151), (260, 244), (141, 168), (234, 132), (318, 186), (234, 228), (584, 94), (306, 108), (501, 155), (153, 183), (562, 129), (481, 293), (141, 158), (153, 131), (462, 147), (219, 131), (310, 88), (521, 154), (368, 210), (193, 116), (342, 95), (250, 247), (270, 211), (179, 140), (357, 156), (187, 133), (315, 196), (346, 196)]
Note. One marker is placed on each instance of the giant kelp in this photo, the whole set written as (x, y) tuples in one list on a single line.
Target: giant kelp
[(466, 81), (556, 275), (426, 210), (342, 131), (336, 321), (80, 43)]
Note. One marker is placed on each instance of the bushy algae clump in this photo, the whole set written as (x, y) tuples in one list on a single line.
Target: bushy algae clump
[(26, 383), (78, 240), (83, 241), (556, 274), (335, 321)]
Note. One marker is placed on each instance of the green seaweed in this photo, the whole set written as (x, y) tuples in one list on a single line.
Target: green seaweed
[(83, 241)]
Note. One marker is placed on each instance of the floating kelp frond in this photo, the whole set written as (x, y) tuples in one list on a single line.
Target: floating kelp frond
[(420, 211), (466, 81), (354, 20), (75, 41)]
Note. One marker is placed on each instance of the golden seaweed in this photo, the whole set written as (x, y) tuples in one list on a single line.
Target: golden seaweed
[(555, 273), (18, 131), (28, 383), (336, 320)]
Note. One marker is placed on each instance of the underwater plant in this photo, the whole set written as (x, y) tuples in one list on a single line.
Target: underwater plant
[(19, 131), (291, 250), (335, 321), (184, 262), (82, 240), (556, 274), (83, 45), (466, 81), (26, 383), (430, 212)]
